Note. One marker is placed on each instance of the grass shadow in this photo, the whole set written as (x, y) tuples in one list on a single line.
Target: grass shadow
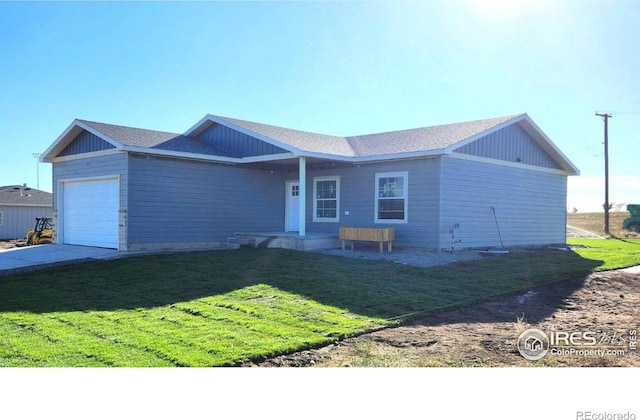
[(632, 242), (371, 288), (530, 307)]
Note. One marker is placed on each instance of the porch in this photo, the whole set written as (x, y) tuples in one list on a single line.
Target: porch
[(286, 240)]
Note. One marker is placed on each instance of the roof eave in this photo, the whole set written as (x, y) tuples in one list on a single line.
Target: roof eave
[(184, 155), (371, 158), (401, 156)]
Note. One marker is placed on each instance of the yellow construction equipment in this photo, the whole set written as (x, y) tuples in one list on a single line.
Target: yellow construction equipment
[(42, 233)]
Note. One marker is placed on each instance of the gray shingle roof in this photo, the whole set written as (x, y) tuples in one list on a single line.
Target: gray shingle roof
[(301, 140), (393, 142), (423, 139), (21, 195), (415, 142), (162, 140)]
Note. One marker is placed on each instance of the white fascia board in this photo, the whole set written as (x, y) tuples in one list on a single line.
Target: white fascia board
[(98, 153), (373, 158), (68, 135), (509, 164), (326, 156), (400, 156), (208, 158), (196, 128), (50, 153), (170, 153), (274, 157), (104, 137), (266, 158), (551, 148), (183, 155)]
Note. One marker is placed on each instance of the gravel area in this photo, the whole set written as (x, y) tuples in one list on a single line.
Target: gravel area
[(575, 232), (407, 256)]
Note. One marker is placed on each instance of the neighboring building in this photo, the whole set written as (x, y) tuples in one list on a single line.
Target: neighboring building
[(132, 189), (19, 207)]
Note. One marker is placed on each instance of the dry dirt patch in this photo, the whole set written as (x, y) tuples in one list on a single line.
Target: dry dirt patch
[(485, 334), (11, 244)]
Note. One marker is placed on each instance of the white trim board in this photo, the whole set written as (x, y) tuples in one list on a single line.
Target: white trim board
[(498, 162)]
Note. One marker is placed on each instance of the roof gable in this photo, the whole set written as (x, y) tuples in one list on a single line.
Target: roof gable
[(513, 144), (85, 142), (416, 140), (90, 136), (236, 143), (296, 141)]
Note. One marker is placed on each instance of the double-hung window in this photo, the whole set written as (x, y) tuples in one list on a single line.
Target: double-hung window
[(326, 201), (391, 197)]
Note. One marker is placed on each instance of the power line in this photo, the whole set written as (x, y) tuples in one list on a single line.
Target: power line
[(625, 113)]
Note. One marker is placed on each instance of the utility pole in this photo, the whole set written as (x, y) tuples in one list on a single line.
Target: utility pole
[(37, 157), (605, 118)]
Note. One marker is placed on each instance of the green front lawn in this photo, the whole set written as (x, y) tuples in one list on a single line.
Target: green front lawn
[(615, 253), (223, 307)]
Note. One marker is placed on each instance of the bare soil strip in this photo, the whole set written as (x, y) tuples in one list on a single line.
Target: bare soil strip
[(486, 334)]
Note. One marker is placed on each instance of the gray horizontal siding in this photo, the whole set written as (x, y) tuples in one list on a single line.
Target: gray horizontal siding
[(530, 205), (203, 202), (357, 196), (17, 220), (85, 142), (175, 201), (235, 143), (511, 143), (101, 166)]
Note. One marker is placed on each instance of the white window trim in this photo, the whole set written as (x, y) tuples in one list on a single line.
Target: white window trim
[(315, 199), (379, 175), (1, 218)]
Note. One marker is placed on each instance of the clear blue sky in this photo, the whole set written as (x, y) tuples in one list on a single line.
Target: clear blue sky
[(335, 67)]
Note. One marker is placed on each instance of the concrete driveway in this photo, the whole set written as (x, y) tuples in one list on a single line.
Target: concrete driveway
[(16, 259), (633, 270)]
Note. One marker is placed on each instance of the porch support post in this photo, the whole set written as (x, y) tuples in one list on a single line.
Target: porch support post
[(302, 179)]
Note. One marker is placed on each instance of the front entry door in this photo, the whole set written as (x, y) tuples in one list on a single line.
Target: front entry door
[(293, 206)]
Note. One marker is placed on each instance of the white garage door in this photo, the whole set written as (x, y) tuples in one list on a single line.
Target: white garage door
[(90, 213)]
